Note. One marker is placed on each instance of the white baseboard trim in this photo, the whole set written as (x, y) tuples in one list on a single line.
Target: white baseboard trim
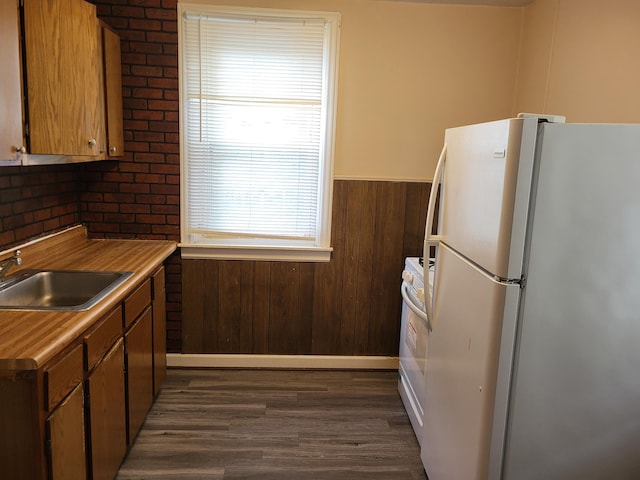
[(340, 362)]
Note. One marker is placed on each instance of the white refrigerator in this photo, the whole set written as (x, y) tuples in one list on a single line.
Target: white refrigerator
[(533, 368)]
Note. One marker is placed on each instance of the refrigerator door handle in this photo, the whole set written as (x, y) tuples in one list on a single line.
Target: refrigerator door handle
[(414, 308), (429, 238)]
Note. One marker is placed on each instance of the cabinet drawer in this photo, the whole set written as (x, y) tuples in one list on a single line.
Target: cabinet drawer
[(99, 341), (62, 377), (137, 302), (158, 282)]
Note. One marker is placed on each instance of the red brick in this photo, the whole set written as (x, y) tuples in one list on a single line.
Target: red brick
[(134, 208), (149, 157), (119, 198), (165, 189), (130, 12), (92, 217), (146, 25), (132, 35), (151, 219), (165, 148), (163, 60), (137, 146), (165, 169), (170, 72), (166, 229), (164, 105), (172, 116), (119, 218), (136, 125), (117, 177), (135, 103), (131, 81), (170, 49), (145, 47), (134, 58), (147, 115), (134, 188), (147, 93), (151, 199), (169, 26), (149, 178), (147, 71), (102, 207), (145, 3), (161, 14), (148, 136), (162, 37), (166, 83), (173, 210), (163, 126), (135, 228)]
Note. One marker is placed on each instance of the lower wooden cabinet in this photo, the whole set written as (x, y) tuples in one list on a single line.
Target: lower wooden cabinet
[(107, 414), (66, 439), (139, 364), (75, 417)]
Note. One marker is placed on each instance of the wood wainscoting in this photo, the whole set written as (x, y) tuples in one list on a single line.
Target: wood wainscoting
[(348, 306)]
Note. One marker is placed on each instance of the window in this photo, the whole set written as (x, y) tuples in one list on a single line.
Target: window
[(257, 91)]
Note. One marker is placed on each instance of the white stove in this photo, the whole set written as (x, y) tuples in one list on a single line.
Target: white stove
[(414, 342)]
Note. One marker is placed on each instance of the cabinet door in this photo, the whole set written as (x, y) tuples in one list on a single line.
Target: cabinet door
[(65, 435), (113, 92), (107, 422), (159, 330), (63, 51), (10, 91), (139, 360)]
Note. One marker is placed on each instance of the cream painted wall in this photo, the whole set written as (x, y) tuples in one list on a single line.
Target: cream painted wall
[(407, 72), (581, 59)]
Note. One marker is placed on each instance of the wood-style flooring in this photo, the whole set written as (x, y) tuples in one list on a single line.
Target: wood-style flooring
[(263, 424)]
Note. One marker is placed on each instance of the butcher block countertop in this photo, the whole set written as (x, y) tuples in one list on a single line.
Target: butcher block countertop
[(30, 338)]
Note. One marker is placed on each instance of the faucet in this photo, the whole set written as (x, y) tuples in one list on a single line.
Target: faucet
[(5, 265)]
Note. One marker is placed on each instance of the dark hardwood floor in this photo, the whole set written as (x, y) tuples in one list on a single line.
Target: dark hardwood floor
[(262, 424)]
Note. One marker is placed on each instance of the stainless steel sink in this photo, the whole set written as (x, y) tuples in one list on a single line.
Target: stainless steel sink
[(74, 290)]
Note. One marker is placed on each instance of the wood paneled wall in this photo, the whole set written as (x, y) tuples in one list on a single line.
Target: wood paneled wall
[(348, 306)]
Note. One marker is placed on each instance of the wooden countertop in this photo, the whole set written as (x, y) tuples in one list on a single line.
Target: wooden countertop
[(29, 338)]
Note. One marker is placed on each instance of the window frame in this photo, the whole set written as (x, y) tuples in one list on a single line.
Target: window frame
[(264, 249)]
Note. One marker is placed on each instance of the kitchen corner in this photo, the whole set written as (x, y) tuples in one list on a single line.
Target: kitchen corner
[(82, 381)]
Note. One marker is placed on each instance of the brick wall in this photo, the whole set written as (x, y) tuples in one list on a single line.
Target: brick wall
[(138, 196), (35, 201)]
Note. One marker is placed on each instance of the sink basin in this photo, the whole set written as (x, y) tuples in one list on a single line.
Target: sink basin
[(74, 290)]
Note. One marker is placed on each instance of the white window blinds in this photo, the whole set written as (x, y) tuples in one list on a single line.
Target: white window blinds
[(256, 144)]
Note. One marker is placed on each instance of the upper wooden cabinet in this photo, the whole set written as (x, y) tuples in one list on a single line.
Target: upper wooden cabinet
[(113, 91), (64, 72), (72, 94), (11, 140)]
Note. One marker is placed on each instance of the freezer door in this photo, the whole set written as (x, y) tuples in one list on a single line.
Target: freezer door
[(486, 190), (462, 369)]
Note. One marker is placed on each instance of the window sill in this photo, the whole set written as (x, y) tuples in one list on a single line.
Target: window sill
[(259, 253)]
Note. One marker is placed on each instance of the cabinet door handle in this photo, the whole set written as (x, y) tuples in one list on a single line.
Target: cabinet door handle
[(113, 149), (22, 149), (92, 142)]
